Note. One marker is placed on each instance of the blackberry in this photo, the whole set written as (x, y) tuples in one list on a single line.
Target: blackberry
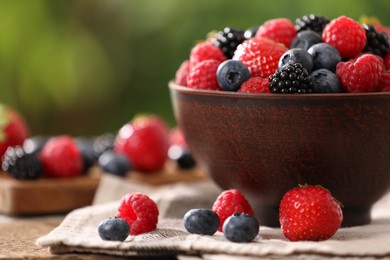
[(104, 142), (377, 42), (21, 165), (228, 40), (311, 22), (291, 78)]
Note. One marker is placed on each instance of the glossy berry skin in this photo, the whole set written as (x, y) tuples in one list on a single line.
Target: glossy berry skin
[(251, 32), (297, 55), (13, 128), (325, 56), (309, 213), (113, 229), (206, 51), (325, 81), (203, 75), (362, 74), (228, 40), (201, 221), (230, 202), (255, 85), (182, 156), (306, 39), (34, 144), (231, 74), (114, 163), (145, 142), (61, 158), (346, 35), (280, 30), (291, 78), (139, 211), (260, 55), (241, 228), (311, 22)]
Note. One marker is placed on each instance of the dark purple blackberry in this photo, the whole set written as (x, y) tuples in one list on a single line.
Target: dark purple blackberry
[(311, 22), (102, 143), (228, 40), (291, 78), (377, 42), (21, 165)]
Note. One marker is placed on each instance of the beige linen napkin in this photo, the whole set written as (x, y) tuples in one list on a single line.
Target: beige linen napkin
[(78, 231)]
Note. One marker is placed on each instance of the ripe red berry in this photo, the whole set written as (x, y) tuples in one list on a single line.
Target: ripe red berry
[(384, 83), (13, 128), (139, 211), (362, 74), (204, 75), (206, 51), (260, 55), (346, 35), (386, 61), (255, 85), (61, 158), (309, 213), (145, 142), (230, 202), (182, 72), (280, 30)]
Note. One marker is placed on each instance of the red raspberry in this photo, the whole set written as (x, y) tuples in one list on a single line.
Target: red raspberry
[(260, 55), (182, 72), (280, 30), (145, 142), (362, 74), (309, 213), (386, 61), (346, 35), (206, 51), (230, 202), (255, 85), (204, 75), (13, 128), (61, 157), (384, 83), (139, 211)]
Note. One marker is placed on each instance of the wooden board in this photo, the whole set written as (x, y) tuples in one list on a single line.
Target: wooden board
[(48, 196), (45, 196)]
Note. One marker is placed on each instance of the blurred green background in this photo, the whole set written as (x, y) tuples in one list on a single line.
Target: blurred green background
[(85, 67)]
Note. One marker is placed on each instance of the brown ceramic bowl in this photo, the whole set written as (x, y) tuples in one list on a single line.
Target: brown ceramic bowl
[(266, 144)]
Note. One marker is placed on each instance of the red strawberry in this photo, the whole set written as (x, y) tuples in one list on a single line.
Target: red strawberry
[(206, 51), (346, 35), (362, 74), (139, 211), (280, 30), (61, 157), (182, 72), (230, 202), (260, 55), (204, 75), (255, 85), (145, 142), (13, 128), (309, 213)]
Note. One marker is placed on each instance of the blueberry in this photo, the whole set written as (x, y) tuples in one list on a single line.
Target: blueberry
[(114, 229), (251, 32), (85, 145), (325, 81), (231, 74), (116, 164), (240, 227), (201, 221), (181, 156), (324, 56), (306, 39), (297, 55)]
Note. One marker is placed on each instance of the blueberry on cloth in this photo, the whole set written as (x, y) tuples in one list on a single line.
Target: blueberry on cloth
[(201, 221), (240, 228), (114, 229)]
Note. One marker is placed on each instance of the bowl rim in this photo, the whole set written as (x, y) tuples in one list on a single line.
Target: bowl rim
[(230, 94)]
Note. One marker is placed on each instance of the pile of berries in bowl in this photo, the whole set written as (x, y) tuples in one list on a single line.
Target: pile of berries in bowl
[(284, 104)]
